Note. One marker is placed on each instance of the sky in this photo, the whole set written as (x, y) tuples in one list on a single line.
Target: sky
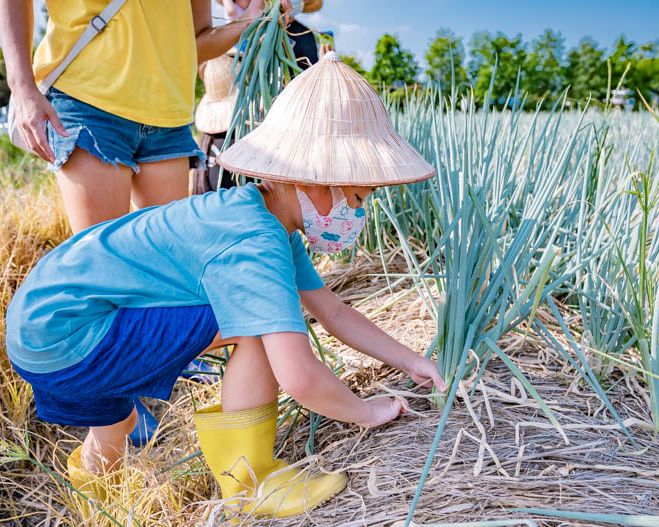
[(357, 24)]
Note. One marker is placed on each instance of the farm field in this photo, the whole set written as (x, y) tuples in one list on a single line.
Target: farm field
[(529, 267)]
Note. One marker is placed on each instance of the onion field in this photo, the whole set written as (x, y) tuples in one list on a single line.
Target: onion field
[(528, 267)]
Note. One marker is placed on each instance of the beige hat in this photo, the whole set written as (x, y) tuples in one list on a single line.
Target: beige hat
[(327, 127), (216, 106)]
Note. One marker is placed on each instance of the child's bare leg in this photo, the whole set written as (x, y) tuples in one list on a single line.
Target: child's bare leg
[(104, 445), (248, 379)]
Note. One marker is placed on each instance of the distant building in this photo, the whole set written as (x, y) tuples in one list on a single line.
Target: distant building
[(623, 98)]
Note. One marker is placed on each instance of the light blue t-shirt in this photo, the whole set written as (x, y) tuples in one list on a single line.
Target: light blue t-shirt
[(221, 248)]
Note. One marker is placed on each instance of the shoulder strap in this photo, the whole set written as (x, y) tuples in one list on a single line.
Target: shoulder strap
[(95, 26)]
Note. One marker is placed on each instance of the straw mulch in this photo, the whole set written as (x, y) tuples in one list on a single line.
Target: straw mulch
[(497, 453)]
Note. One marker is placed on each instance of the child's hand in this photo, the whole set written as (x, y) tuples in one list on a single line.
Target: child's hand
[(383, 410), (424, 372)]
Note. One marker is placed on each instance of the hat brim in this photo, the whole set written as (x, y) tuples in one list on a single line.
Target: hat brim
[(214, 117), (328, 127), (361, 161)]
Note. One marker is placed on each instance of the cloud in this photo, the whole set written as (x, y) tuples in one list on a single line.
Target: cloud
[(403, 28), (315, 20), (350, 28)]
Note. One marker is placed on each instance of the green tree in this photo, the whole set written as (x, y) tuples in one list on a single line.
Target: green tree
[(393, 63), (646, 72), (646, 78), (488, 49), (643, 60), (649, 50), (445, 56), (354, 63), (4, 86), (586, 72), (624, 53), (545, 73)]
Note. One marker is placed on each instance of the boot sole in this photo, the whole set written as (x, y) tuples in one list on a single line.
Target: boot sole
[(337, 487)]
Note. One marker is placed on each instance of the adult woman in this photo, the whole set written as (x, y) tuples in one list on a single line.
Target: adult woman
[(117, 118), (217, 269)]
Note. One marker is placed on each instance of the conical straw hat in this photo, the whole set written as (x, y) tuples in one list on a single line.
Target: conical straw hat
[(327, 127), (214, 112)]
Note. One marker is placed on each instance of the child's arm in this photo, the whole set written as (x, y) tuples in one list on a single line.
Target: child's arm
[(312, 383), (355, 330)]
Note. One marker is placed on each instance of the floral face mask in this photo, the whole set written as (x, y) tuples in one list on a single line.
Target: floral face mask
[(334, 232)]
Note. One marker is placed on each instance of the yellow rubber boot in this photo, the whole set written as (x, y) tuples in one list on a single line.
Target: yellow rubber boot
[(87, 483), (238, 448)]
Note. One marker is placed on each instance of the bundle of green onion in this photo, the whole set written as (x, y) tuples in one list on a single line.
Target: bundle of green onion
[(262, 67)]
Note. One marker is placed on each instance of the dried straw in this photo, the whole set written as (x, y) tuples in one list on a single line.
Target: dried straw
[(498, 452), (328, 127)]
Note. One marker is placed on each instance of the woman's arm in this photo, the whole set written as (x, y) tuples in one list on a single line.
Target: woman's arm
[(358, 332), (312, 383), (32, 108), (213, 42)]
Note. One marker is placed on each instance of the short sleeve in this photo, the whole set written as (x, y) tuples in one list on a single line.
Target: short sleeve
[(251, 287), (306, 276)]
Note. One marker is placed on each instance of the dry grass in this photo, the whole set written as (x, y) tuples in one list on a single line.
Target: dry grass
[(498, 451)]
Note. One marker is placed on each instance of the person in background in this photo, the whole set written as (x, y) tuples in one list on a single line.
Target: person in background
[(115, 126), (213, 115)]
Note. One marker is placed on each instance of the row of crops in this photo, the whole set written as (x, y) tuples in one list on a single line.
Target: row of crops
[(548, 210)]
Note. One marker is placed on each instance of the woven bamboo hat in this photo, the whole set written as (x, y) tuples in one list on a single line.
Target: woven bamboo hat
[(216, 106), (327, 127)]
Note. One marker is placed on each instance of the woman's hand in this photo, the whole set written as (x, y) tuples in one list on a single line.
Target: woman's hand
[(32, 111), (383, 410), (424, 372), (254, 9)]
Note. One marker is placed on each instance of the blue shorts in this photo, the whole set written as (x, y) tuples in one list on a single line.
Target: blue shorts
[(113, 139), (142, 354)]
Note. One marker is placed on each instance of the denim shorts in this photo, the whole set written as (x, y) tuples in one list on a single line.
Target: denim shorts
[(114, 139), (142, 354)]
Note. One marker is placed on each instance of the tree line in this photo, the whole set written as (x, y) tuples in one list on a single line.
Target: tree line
[(544, 67)]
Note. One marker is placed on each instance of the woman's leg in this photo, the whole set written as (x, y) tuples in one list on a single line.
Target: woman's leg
[(157, 183), (161, 182), (93, 191)]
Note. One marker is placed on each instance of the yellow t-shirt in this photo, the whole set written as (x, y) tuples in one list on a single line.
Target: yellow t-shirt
[(142, 67)]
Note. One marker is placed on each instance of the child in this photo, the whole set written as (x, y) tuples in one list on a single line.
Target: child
[(120, 309)]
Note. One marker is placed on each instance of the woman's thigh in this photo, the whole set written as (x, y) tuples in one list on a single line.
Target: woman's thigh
[(93, 191), (105, 157), (160, 182)]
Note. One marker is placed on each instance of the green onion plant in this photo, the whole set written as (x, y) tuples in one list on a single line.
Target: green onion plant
[(263, 65)]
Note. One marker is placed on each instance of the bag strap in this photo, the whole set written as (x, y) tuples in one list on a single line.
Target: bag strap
[(95, 26)]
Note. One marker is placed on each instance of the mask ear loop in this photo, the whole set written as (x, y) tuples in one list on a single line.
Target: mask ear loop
[(306, 205), (338, 196)]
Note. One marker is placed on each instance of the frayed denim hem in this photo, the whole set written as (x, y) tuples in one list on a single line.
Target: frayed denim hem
[(81, 137)]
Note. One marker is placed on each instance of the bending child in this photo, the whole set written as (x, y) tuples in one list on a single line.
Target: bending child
[(120, 309)]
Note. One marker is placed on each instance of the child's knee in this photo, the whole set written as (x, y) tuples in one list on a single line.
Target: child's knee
[(128, 424), (116, 432)]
